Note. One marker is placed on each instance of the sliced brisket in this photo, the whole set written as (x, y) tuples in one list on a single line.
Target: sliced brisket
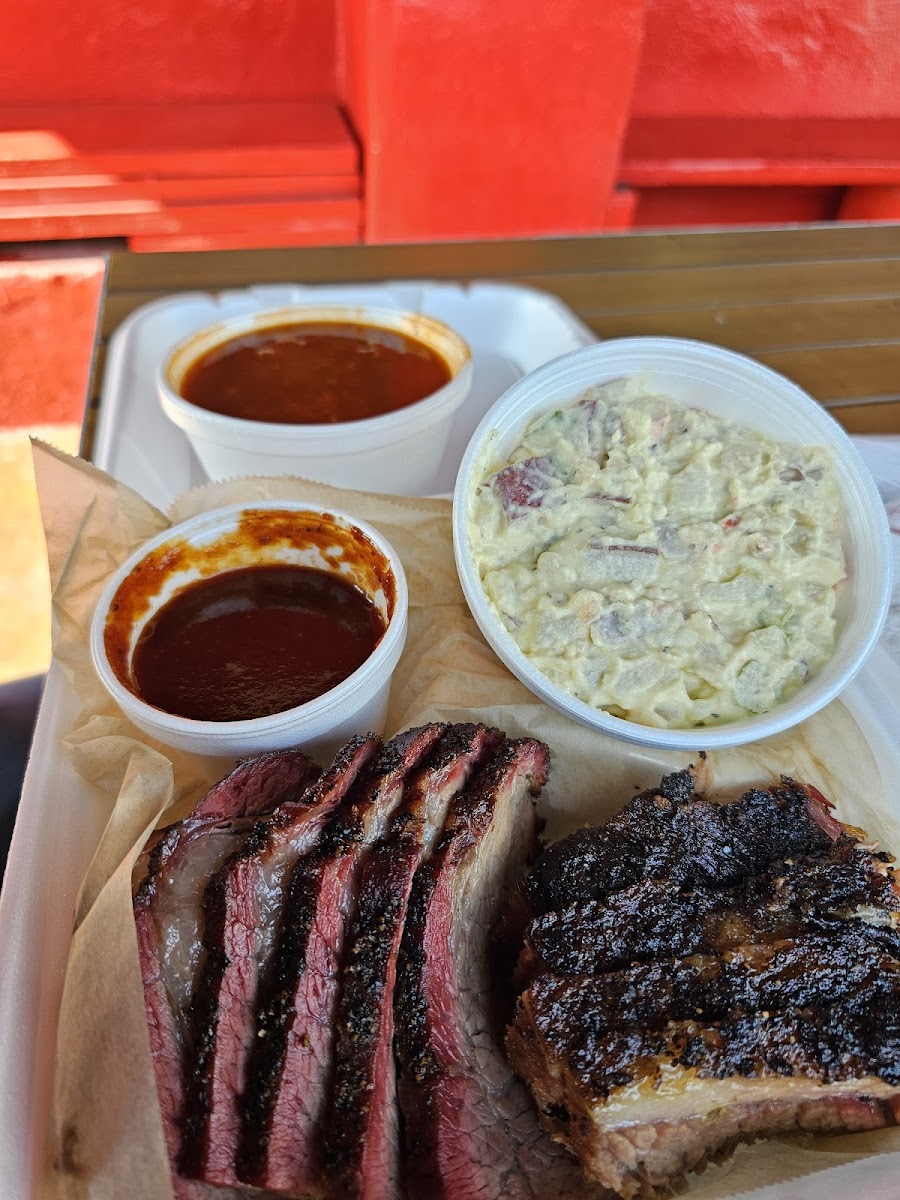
[(243, 901), (362, 1150), (749, 985), (672, 833), (811, 972), (471, 1129), (290, 1068), (655, 919), (168, 911)]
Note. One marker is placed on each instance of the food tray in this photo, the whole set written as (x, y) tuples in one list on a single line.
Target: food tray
[(511, 330)]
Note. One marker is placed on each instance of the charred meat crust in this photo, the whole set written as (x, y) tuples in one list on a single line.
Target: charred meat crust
[(250, 790), (466, 824), (470, 1129), (253, 789), (575, 1015), (361, 1151), (227, 907), (672, 833), (321, 894), (655, 919), (688, 946)]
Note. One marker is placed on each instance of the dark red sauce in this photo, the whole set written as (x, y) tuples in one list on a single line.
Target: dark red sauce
[(254, 641), (314, 374)]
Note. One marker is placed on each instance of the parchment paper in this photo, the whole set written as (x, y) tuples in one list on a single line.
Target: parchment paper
[(107, 1140)]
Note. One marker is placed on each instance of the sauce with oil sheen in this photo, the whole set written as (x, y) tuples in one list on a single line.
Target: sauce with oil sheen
[(314, 374), (254, 641)]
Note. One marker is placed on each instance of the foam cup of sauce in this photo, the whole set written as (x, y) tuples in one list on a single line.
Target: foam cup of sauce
[(248, 541), (395, 451)]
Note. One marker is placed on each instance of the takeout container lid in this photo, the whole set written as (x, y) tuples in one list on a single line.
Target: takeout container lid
[(398, 451), (357, 703), (741, 390)]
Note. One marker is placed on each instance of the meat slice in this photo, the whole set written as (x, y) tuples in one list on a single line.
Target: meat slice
[(471, 1128), (168, 911), (243, 907), (812, 971), (750, 985), (672, 833), (362, 1151), (656, 919), (290, 1068), (640, 1108)]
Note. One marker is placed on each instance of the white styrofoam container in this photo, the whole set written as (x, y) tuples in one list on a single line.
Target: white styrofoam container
[(511, 330), (397, 451), (738, 389), (61, 818), (321, 725)]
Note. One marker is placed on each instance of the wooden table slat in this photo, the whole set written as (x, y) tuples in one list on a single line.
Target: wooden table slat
[(790, 324), (596, 293), (869, 418), (821, 304), (641, 251)]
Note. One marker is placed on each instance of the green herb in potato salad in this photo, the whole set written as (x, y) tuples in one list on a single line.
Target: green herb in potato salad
[(662, 563)]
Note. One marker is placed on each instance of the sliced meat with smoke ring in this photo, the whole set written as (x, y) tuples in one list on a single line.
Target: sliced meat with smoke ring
[(170, 917)]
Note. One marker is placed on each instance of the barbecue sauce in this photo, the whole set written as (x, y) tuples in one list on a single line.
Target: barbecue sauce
[(314, 373), (254, 641)]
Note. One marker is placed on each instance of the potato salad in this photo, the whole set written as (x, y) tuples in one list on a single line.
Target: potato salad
[(661, 563)]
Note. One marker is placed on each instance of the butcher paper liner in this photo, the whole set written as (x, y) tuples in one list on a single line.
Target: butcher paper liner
[(106, 1140)]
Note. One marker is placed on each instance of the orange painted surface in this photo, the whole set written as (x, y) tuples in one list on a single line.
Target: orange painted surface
[(98, 51), (306, 217), (48, 317), (180, 140), (763, 94), (488, 118), (770, 58), (99, 189), (871, 204), (661, 151), (678, 207)]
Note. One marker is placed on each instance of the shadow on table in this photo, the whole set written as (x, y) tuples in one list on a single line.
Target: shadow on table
[(18, 708)]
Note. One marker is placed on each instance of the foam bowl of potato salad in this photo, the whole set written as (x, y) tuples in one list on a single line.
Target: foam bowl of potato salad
[(670, 542)]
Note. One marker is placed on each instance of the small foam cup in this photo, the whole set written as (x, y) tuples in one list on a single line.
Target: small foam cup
[(245, 535), (740, 390), (397, 451)]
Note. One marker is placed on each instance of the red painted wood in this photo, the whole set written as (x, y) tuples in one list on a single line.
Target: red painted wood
[(269, 237), (621, 209), (117, 51), (678, 207), (487, 118), (318, 218), (870, 204), (662, 151), (96, 191), (48, 313), (770, 58), (181, 140)]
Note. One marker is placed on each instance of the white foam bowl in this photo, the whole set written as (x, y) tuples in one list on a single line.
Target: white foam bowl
[(357, 704), (741, 390), (398, 451)]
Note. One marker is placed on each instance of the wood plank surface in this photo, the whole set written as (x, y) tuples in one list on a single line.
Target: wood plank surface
[(626, 252), (820, 304)]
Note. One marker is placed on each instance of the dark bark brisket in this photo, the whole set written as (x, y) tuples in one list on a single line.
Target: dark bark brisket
[(242, 906), (812, 972), (672, 833), (253, 789), (471, 1128), (361, 1131), (655, 919), (736, 965), (291, 1062)]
